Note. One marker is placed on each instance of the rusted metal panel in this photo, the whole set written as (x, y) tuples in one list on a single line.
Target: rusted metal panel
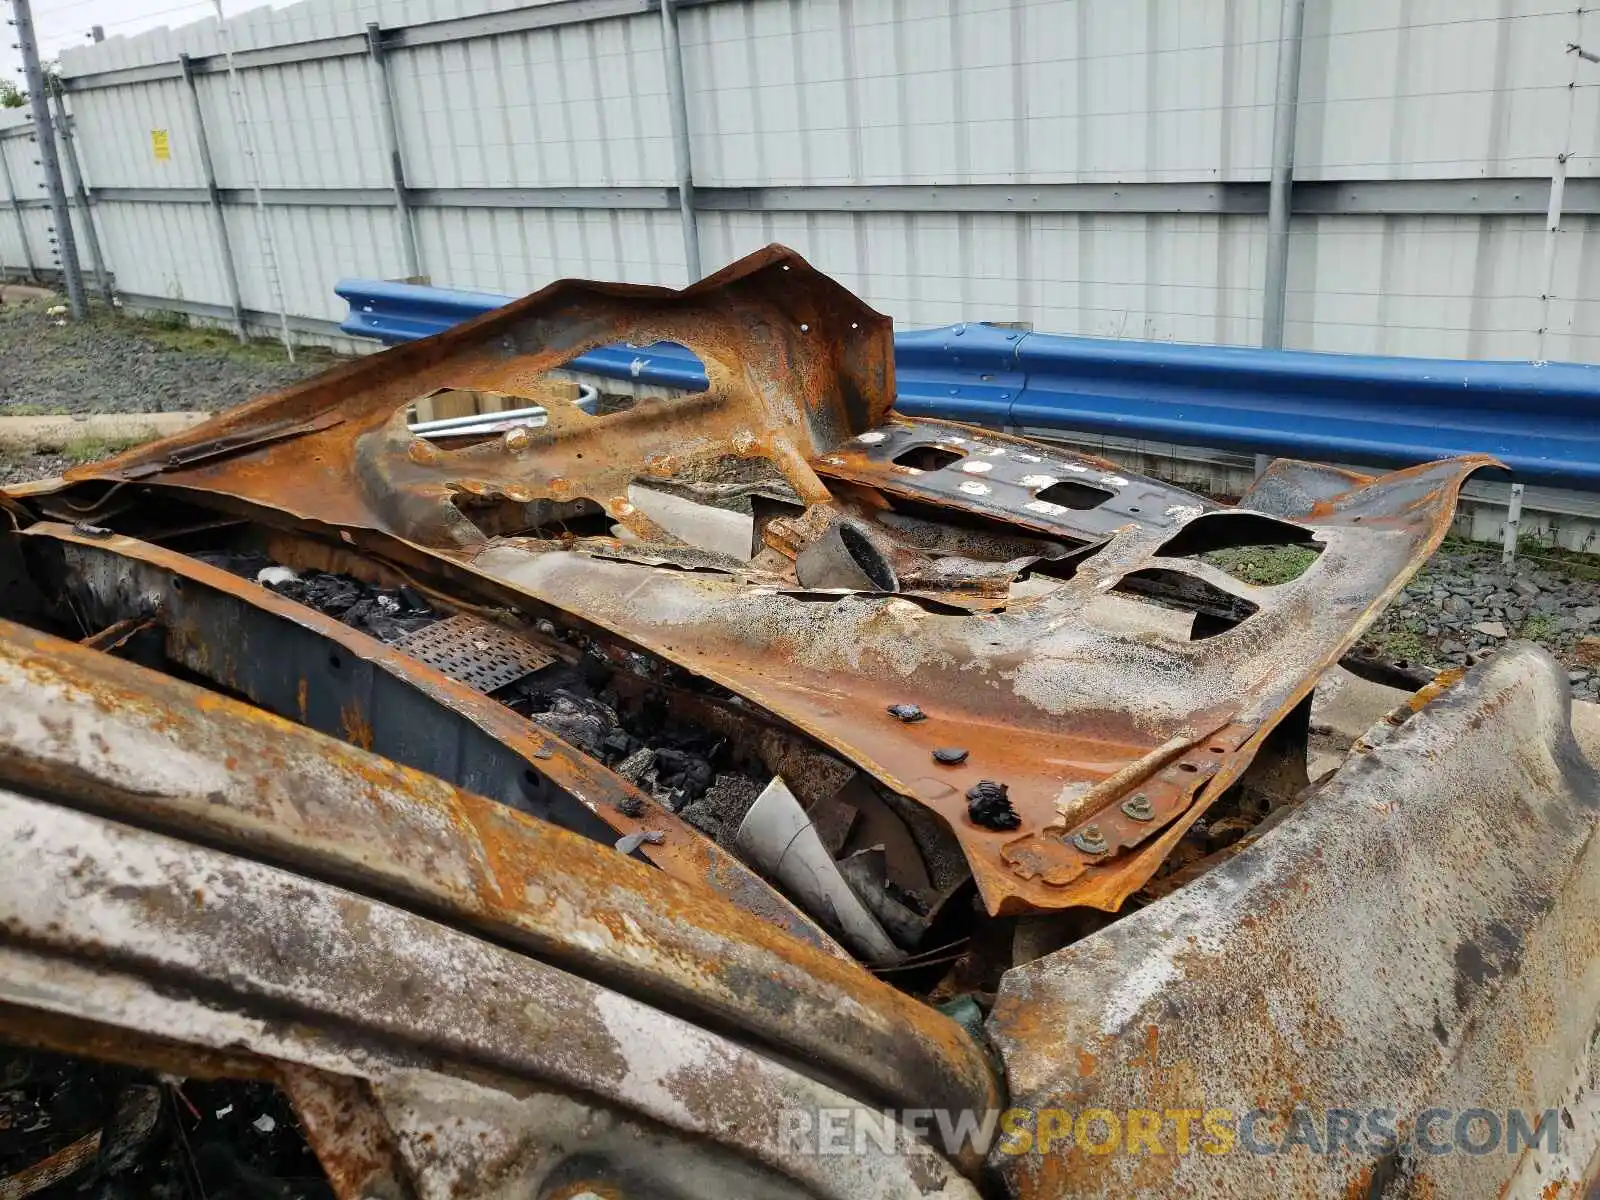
[(1052, 696), (135, 930), (124, 571), (1420, 933), (124, 741)]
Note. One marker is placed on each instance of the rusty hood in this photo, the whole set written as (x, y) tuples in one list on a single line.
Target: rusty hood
[(1001, 586)]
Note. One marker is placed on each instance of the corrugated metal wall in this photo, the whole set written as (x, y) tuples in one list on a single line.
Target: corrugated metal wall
[(1090, 166)]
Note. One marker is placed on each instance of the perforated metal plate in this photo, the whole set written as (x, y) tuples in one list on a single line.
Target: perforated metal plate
[(475, 652)]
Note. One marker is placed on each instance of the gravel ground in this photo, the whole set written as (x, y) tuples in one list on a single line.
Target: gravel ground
[(113, 363), (20, 468), (1463, 605)]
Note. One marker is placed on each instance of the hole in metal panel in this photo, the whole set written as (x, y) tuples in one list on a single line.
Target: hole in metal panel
[(1215, 610), (927, 458), (1070, 494)]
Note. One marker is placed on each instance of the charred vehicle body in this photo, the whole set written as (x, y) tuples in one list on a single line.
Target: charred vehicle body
[(626, 801)]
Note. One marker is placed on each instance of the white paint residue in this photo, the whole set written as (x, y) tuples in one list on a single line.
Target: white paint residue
[(973, 488), (872, 438), (1113, 481), (1075, 468), (1135, 990), (974, 467), (1039, 481), (995, 451), (1286, 1016), (657, 1052), (1045, 507), (909, 470), (833, 460), (1027, 458), (1183, 512)]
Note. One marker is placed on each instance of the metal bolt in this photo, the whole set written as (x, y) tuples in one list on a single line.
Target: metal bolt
[(1138, 807), (1090, 840)]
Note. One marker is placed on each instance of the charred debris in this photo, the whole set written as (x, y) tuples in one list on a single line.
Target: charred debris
[(934, 697), (690, 746)]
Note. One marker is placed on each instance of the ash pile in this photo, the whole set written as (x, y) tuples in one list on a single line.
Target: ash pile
[(687, 770), (388, 614), (690, 771)]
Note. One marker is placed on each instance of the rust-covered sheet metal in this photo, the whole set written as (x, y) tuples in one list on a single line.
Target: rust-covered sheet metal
[(114, 563), (1420, 934), (1055, 695), (115, 738), (123, 929)]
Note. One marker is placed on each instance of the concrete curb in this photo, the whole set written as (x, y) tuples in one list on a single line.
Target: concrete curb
[(42, 433)]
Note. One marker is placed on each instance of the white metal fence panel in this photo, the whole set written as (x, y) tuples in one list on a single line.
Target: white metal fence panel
[(1441, 89), (980, 91), (141, 136), (1089, 166)]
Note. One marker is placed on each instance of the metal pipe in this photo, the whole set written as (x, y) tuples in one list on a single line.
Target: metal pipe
[(588, 395), (230, 273), (44, 137), (1284, 107), (16, 208), (81, 193), (682, 151), (397, 166), (777, 838)]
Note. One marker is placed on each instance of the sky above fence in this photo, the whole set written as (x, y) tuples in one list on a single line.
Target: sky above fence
[(62, 24)]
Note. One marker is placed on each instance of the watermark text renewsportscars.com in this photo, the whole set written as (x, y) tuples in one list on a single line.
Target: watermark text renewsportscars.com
[(1178, 1131)]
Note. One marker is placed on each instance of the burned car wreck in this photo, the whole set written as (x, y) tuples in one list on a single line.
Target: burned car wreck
[(584, 806)]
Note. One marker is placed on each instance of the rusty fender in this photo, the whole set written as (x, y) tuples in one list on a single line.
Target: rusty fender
[(133, 930), (1420, 933), (107, 735)]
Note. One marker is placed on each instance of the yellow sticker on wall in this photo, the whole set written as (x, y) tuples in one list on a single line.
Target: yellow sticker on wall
[(160, 145)]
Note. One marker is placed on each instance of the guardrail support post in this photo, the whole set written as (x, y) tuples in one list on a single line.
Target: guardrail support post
[(391, 137), (1508, 543), (230, 273), (80, 192), (682, 149), (16, 208)]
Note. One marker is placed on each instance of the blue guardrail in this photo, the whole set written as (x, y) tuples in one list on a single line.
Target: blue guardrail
[(1541, 419)]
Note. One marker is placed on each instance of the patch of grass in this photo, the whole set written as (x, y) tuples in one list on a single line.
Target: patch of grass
[(219, 343), (1572, 563), (1538, 627), (1264, 566), (91, 448), (1400, 644), (167, 318), (28, 410)]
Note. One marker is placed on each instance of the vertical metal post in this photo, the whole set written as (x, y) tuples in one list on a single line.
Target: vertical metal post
[(230, 273), (66, 244), (1552, 242), (682, 154), (1508, 539), (16, 208), (397, 166), (239, 101), (81, 193), (1284, 106)]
